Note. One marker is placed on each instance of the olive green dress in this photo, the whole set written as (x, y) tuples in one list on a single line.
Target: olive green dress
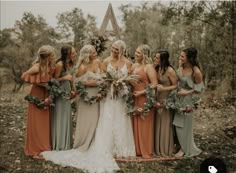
[(61, 121), (183, 121), (163, 122)]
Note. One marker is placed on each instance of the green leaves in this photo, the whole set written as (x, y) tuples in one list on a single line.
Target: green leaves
[(83, 94)]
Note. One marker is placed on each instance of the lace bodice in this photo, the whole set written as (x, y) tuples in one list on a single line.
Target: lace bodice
[(120, 72)]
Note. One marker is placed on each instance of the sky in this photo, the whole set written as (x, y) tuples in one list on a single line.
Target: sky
[(13, 10)]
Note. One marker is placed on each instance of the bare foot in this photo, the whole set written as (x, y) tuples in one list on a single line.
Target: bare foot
[(38, 157), (180, 153), (147, 157)]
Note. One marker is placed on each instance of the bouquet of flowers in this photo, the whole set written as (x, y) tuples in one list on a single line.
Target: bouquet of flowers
[(39, 103), (54, 89), (148, 105), (185, 104), (81, 89), (120, 84)]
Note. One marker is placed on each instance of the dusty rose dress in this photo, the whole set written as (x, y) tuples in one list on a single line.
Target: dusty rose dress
[(38, 126), (143, 128)]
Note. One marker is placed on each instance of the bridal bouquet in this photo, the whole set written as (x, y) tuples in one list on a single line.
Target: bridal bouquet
[(120, 84)]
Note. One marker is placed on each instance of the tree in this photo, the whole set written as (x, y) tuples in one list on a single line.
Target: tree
[(233, 19), (20, 44), (143, 26), (73, 24)]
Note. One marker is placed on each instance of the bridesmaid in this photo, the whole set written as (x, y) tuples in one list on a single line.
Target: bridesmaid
[(143, 127), (38, 125), (62, 118), (167, 81), (190, 82), (88, 69)]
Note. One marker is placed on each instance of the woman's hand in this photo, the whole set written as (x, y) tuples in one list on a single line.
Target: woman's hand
[(68, 77), (184, 92), (138, 93), (91, 82), (160, 87)]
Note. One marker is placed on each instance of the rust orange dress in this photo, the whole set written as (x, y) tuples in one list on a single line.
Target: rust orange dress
[(38, 120), (143, 127)]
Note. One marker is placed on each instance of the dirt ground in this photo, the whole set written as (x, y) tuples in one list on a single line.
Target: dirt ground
[(213, 122)]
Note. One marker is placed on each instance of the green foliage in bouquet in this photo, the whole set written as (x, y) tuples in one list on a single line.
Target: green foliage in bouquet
[(54, 89), (39, 103), (184, 104), (83, 94), (148, 105)]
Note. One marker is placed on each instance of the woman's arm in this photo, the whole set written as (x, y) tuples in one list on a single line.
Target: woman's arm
[(152, 76), (33, 70), (58, 70), (197, 74), (173, 79)]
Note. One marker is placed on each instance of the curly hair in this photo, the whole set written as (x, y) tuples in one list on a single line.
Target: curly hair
[(145, 49)]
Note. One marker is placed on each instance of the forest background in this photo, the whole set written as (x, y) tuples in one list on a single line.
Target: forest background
[(209, 26)]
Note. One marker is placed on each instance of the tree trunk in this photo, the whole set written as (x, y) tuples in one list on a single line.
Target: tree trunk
[(234, 50)]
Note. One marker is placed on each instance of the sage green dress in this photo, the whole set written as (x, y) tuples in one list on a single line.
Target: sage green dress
[(61, 121), (164, 142), (87, 115), (184, 121)]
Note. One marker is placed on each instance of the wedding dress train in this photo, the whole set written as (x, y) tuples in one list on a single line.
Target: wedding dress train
[(114, 137)]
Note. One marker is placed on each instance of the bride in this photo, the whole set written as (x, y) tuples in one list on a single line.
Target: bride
[(114, 134)]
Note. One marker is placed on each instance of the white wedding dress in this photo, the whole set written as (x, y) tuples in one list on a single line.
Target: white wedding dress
[(114, 137)]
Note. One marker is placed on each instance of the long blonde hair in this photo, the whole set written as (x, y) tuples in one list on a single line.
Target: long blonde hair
[(84, 54), (121, 46), (44, 53), (146, 53)]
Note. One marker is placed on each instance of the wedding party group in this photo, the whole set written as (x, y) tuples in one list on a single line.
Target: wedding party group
[(125, 109)]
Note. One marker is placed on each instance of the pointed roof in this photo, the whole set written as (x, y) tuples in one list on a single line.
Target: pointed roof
[(110, 19)]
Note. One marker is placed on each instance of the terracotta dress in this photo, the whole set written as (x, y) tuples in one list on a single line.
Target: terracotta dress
[(163, 123), (38, 120), (184, 121), (143, 128)]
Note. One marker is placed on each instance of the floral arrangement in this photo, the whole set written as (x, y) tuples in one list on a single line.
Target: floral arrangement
[(39, 103), (100, 43), (54, 89), (148, 105), (184, 104), (83, 94), (120, 84), (121, 87)]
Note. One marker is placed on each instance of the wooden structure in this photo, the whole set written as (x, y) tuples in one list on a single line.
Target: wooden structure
[(109, 25)]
